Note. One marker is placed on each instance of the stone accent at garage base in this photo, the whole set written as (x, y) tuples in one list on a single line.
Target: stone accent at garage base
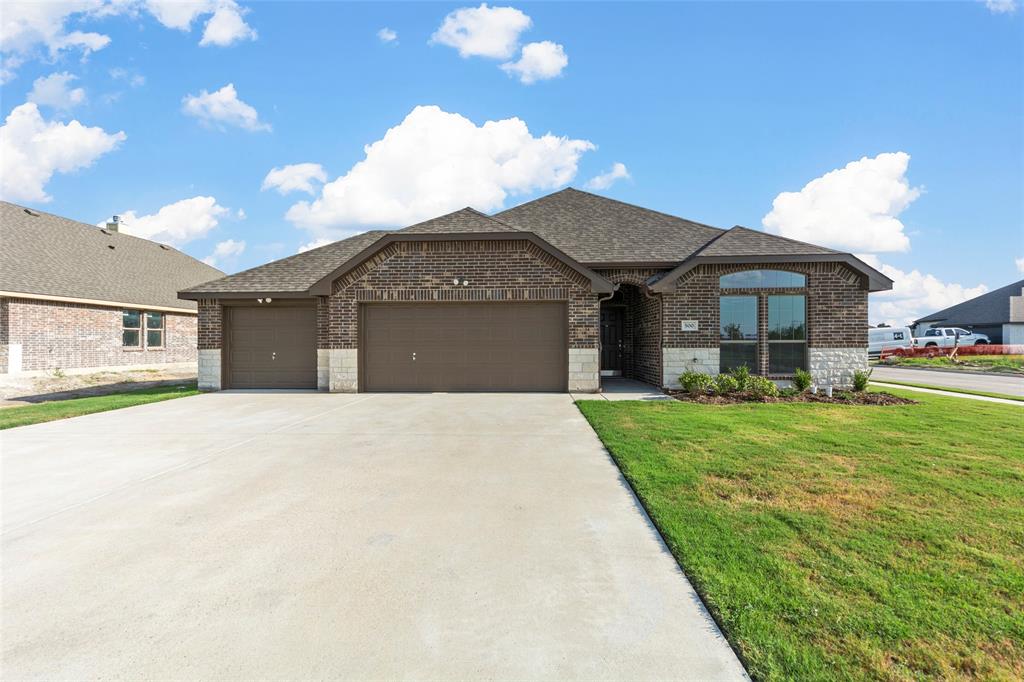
[(337, 370), (675, 361), (584, 376), (835, 366), (209, 369)]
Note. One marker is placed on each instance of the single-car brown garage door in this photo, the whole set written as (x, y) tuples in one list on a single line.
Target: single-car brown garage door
[(464, 347), (271, 346)]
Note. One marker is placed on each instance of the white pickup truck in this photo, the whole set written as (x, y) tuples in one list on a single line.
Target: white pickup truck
[(947, 337)]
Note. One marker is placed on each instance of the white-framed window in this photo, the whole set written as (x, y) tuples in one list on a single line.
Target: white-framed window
[(155, 330), (138, 328), (131, 329)]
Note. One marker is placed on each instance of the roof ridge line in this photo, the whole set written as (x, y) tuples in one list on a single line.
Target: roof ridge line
[(779, 236), (626, 203)]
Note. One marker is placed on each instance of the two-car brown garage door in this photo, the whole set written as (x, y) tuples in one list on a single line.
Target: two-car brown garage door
[(464, 347), (408, 347)]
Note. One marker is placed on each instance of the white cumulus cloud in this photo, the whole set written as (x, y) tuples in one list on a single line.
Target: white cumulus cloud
[(54, 91), (1001, 6), (224, 27), (605, 180), (227, 26), (177, 223), (483, 31), (227, 250), (136, 80), (1019, 262), (297, 177), (315, 244), (386, 35), (30, 28), (538, 61), (32, 149), (914, 294), (434, 162), (223, 108), (854, 208)]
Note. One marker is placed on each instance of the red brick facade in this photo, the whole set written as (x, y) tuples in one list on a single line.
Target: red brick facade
[(57, 335), (837, 305), (211, 324), (505, 270)]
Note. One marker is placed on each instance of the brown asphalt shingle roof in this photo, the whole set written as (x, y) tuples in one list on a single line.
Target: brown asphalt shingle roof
[(742, 241), (595, 230), (47, 255), (298, 273), (295, 273), (590, 229)]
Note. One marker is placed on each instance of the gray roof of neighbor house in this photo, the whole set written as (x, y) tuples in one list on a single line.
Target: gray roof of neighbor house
[(583, 229), (46, 255), (990, 308), (596, 230)]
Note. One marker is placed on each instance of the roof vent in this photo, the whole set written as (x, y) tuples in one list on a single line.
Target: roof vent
[(165, 247), (110, 246), (31, 212), (104, 231), (114, 223)]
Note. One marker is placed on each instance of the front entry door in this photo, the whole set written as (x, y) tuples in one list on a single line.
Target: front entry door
[(611, 340)]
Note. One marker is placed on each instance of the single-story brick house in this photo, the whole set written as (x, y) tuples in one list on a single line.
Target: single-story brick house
[(548, 296), (73, 295), (999, 314)]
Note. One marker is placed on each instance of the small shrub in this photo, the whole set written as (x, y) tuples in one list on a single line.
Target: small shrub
[(696, 382), (789, 392), (742, 376), (860, 380), (726, 383), (801, 380), (762, 387), (58, 373)]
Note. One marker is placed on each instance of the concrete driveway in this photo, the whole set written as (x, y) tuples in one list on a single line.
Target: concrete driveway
[(303, 535)]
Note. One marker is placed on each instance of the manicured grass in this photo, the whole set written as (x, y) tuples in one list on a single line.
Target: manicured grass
[(62, 409), (841, 542), (1013, 364), (968, 391)]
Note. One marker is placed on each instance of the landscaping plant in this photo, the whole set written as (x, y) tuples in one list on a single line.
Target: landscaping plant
[(801, 380), (696, 382), (860, 380), (726, 384), (762, 387), (742, 375)]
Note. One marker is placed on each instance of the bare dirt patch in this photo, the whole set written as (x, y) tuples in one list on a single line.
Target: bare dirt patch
[(22, 390)]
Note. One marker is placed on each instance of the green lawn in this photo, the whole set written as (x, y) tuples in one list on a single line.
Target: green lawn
[(841, 542), (968, 391), (1012, 364), (61, 409)]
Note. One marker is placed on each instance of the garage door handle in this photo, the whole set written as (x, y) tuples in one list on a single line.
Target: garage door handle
[(273, 356), (414, 357)]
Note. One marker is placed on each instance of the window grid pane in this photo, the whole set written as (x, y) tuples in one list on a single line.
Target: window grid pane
[(130, 338), (738, 318), (154, 320), (786, 318), (762, 279), (131, 319), (786, 358), (154, 338), (733, 355)]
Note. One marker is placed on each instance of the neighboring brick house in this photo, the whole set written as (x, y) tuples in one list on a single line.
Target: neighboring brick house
[(998, 314), (73, 296), (550, 295)]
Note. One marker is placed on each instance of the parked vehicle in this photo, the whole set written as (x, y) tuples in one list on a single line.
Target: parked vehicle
[(888, 338), (947, 337)]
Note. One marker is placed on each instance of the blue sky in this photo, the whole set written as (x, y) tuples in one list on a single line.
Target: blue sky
[(714, 110)]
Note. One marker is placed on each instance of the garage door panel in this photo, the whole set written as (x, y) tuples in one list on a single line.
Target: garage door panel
[(465, 347), (272, 347)]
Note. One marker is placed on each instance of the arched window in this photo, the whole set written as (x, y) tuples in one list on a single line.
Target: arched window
[(762, 279)]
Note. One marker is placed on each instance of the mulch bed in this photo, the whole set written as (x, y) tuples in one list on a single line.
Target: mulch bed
[(838, 398)]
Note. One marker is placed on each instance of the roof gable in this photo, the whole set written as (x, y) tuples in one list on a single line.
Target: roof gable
[(47, 255), (598, 230)]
